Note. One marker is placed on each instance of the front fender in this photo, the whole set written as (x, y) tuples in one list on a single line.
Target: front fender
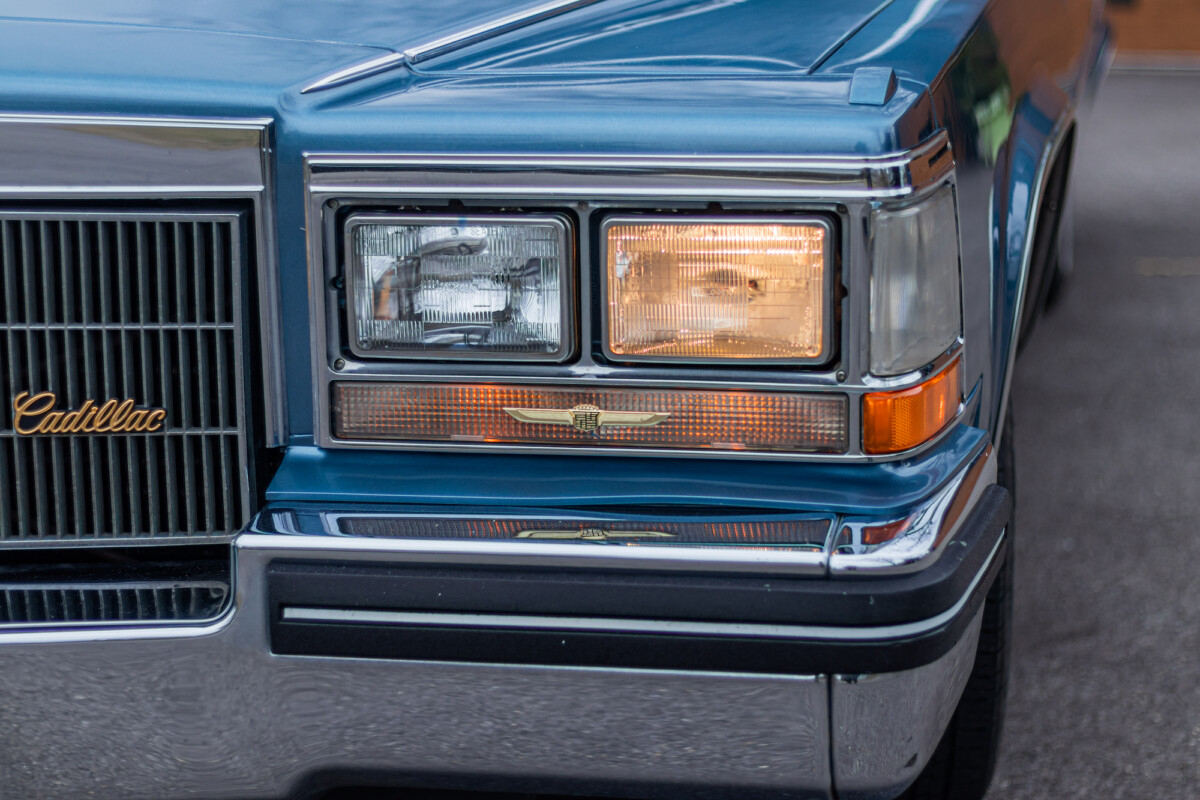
[(1042, 121)]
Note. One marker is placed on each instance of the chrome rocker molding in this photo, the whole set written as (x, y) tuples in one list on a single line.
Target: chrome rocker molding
[(840, 186), (76, 157)]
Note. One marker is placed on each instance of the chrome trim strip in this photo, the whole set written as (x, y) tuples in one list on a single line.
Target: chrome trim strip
[(531, 552), (909, 379), (592, 177), (270, 306), (254, 551), (85, 157), (80, 156), (352, 616), (446, 44), (373, 550), (934, 525), (363, 69), (492, 29), (113, 633)]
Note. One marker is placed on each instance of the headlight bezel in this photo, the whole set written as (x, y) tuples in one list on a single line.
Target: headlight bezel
[(568, 281), (828, 295), (587, 189)]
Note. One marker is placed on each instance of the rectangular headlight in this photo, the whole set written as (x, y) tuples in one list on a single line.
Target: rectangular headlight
[(710, 290), (482, 287)]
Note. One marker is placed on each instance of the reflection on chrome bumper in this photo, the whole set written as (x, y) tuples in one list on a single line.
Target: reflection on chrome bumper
[(885, 727), (210, 710)]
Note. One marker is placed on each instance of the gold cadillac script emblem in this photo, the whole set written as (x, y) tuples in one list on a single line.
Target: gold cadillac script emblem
[(587, 418), (36, 415)]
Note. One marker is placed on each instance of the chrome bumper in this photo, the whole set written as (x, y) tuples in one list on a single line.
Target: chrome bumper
[(210, 711), (216, 710)]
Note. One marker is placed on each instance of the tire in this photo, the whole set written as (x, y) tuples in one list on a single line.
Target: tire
[(963, 763)]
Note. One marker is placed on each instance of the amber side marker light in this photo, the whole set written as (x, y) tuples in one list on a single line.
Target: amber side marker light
[(901, 420)]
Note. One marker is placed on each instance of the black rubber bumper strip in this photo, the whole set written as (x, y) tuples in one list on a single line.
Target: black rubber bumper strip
[(618, 619)]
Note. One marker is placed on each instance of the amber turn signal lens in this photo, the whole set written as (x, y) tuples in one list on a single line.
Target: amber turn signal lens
[(898, 421), (612, 418)]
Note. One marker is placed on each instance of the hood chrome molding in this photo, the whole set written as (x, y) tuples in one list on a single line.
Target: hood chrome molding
[(447, 44), (363, 69)]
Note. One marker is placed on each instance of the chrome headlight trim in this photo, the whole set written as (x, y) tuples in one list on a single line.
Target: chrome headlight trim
[(590, 187)]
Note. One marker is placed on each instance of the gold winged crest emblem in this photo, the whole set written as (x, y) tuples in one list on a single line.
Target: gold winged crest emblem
[(587, 418), (592, 534)]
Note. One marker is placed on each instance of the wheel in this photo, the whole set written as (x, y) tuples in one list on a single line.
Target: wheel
[(962, 765)]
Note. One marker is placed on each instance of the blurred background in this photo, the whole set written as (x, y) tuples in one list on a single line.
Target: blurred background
[(1104, 701), (1156, 32)]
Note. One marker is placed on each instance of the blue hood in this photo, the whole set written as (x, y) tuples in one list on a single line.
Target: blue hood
[(136, 55), (371, 23)]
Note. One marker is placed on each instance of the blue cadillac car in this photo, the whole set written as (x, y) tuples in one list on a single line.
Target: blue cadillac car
[(592, 397)]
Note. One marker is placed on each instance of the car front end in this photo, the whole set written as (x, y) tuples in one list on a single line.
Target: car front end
[(484, 414)]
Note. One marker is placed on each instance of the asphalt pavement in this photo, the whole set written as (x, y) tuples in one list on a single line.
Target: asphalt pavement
[(1105, 695)]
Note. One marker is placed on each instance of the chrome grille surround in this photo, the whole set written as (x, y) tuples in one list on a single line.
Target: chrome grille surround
[(99, 305), (124, 159), (175, 165)]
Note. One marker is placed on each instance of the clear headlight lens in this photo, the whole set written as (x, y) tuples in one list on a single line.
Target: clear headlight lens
[(916, 295), (458, 287), (718, 290)]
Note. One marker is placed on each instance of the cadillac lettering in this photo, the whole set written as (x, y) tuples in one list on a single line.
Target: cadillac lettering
[(406, 396), (36, 414)]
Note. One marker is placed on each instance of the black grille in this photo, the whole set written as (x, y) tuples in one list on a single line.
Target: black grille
[(98, 306), (112, 603)]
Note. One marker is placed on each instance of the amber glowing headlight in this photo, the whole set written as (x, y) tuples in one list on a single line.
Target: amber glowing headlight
[(608, 418), (711, 290), (484, 287)]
